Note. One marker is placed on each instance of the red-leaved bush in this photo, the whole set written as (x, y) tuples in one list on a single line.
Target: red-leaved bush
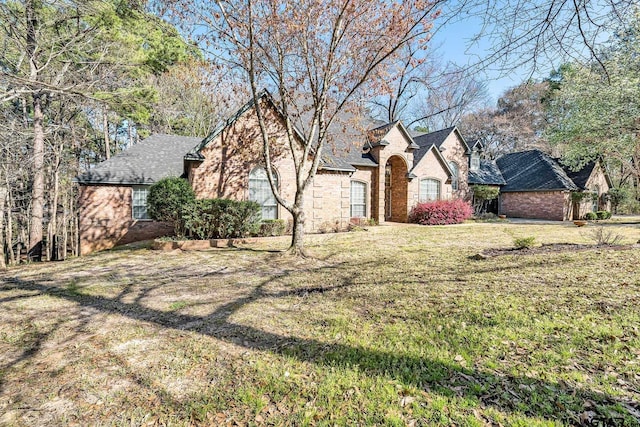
[(441, 212)]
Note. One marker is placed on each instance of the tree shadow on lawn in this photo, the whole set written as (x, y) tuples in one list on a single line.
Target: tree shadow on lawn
[(504, 392)]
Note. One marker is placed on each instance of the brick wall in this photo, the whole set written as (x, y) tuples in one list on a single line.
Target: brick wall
[(429, 167), (551, 205), (106, 220), (453, 150), (329, 206), (230, 157)]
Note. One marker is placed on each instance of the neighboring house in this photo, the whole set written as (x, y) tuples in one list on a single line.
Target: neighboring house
[(380, 173), (537, 186)]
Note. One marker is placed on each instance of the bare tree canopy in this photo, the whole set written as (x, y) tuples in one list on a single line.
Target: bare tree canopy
[(536, 34), (517, 123), (451, 93)]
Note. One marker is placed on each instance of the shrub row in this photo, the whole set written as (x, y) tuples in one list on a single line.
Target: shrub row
[(441, 212), (172, 200), (220, 218)]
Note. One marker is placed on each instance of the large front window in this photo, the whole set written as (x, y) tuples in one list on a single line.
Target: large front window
[(358, 199), (260, 192), (429, 190), (139, 205)]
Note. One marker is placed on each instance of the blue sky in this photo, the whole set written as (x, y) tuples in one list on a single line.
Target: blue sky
[(453, 44)]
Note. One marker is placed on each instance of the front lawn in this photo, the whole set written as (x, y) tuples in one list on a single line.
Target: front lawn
[(391, 326)]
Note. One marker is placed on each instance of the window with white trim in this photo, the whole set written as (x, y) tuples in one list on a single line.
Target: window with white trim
[(358, 199), (260, 192), (429, 190), (139, 202), (475, 161), (455, 175)]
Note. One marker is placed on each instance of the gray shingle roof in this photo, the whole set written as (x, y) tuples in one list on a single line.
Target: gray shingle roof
[(343, 149), (488, 174), (154, 158), (426, 140), (345, 155), (436, 138), (581, 176), (533, 171)]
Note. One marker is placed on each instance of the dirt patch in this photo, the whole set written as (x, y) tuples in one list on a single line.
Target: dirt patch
[(549, 248)]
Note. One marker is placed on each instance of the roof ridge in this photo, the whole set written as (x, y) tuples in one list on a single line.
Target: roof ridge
[(384, 125)]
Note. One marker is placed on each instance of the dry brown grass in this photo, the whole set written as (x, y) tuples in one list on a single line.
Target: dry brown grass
[(395, 325)]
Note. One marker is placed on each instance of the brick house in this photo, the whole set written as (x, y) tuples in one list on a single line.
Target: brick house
[(379, 173), (538, 186)]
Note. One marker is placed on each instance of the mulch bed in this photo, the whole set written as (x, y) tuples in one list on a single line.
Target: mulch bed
[(549, 248)]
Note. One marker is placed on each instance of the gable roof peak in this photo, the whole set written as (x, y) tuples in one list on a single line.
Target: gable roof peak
[(375, 136)]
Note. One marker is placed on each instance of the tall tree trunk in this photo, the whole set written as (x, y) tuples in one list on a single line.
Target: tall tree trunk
[(3, 198), (105, 131), (65, 227), (53, 209), (9, 229), (37, 192), (297, 238)]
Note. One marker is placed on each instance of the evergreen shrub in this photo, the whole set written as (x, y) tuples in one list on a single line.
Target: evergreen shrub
[(221, 218)]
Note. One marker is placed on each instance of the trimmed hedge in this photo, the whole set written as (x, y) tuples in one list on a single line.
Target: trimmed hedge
[(272, 227), (441, 212), (221, 218)]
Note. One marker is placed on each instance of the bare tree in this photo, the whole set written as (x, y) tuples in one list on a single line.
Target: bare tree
[(317, 56), (47, 54), (518, 122), (193, 98), (534, 34), (452, 92), (407, 79)]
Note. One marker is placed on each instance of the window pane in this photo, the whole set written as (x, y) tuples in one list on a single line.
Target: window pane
[(139, 203), (454, 177), (260, 192), (358, 199), (269, 212), (429, 190)]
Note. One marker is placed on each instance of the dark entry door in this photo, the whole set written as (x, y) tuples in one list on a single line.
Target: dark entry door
[(387, 192)]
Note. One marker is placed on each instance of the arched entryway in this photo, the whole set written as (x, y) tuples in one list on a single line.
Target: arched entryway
[(395, 190)]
